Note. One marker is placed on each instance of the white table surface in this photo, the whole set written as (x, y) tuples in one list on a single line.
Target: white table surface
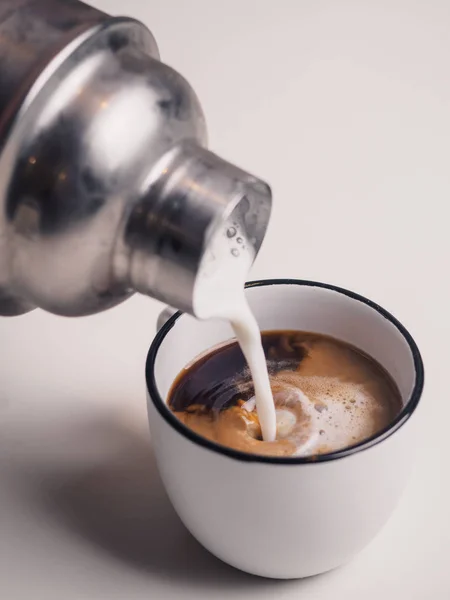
[(344, 107)]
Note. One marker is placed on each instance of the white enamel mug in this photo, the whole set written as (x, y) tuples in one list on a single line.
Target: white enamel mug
[(286, 517)]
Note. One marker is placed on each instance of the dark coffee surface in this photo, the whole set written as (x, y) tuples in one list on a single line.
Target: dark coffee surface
[(220, 378)]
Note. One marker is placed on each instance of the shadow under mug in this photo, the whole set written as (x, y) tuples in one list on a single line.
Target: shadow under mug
[(286, 517)]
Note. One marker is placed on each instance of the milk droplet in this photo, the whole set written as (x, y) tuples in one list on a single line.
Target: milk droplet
[(235, 252), (231, 232)]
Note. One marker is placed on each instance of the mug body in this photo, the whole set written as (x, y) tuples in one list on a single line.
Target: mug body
[(286, 517)]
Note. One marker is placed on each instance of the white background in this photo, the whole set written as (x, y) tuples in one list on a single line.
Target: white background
[(344, 108)]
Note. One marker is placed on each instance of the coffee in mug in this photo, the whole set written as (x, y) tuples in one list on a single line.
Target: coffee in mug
[(328, 395)]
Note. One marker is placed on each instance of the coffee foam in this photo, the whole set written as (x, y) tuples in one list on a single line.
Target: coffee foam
[(322, 414)]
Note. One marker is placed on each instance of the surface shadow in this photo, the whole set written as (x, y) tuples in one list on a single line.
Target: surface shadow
[(120, 506)]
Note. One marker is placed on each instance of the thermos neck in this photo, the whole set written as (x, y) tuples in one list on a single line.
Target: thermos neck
[(201, 218)]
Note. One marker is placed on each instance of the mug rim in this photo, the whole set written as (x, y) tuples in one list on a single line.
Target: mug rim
[(370, 442)]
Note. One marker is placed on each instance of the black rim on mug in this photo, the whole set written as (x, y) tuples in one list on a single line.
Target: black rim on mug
[(400, 420)]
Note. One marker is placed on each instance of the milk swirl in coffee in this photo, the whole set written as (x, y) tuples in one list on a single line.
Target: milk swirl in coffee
[(327, 394)]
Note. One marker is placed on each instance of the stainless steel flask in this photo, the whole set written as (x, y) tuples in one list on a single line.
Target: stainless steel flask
[(106, 185)]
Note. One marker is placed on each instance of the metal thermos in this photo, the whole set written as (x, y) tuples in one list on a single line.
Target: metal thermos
[(106, 185)]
